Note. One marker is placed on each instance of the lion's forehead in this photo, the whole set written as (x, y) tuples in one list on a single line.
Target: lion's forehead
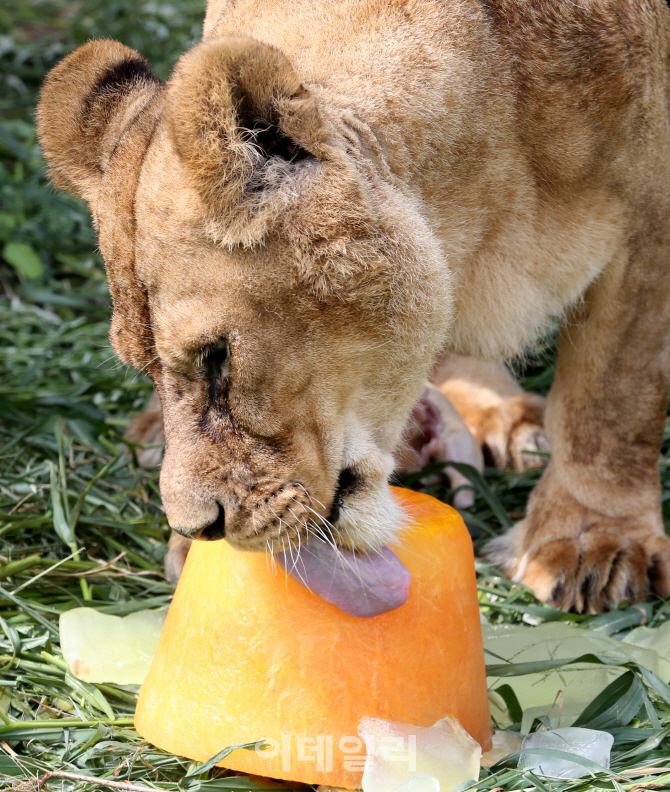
[(262, 327)]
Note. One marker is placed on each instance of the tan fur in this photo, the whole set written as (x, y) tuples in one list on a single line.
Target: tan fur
[(336, 192)]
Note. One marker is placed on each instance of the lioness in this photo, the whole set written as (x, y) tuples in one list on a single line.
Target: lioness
[(327, 195)]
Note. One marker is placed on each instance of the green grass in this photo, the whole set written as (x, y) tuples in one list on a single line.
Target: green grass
[(81, 524)]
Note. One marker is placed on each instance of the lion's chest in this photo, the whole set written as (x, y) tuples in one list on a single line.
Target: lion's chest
[(523, 264)]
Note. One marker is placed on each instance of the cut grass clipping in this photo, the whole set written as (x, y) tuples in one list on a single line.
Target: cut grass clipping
[(81, 524)]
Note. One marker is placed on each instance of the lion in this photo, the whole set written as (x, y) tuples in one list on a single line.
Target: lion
[(495, 421), (328, 201)]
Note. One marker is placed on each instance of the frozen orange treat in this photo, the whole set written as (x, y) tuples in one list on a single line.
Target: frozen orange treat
[(248, 653)]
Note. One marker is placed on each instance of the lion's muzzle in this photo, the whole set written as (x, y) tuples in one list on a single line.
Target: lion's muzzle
[(215, 530)]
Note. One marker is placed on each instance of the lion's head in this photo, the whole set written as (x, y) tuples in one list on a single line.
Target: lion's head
[(285, 299)]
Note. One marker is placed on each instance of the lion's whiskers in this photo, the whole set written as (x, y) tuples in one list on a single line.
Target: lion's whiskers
[(331, 527), (153, 360)]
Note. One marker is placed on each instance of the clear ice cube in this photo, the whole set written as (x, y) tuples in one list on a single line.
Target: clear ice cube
[(99, 647), (419, 782), (586, 743), (504, 744), (397, 751)]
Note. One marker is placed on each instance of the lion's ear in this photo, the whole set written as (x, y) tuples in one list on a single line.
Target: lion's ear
[(86, 103), (241, 121)]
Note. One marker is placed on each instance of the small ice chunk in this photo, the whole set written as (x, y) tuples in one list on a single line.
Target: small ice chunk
[(559, 714), (419, 782), (504, 744), (586, 743), (397, 751), (99, 647)]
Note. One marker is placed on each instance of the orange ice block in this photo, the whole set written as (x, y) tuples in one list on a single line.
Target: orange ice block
[(249, 654)]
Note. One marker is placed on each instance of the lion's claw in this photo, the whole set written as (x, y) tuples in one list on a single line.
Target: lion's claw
[(513, 432), (603, 562)]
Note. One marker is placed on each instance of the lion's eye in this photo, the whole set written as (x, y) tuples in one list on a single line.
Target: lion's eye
[(212, 358)]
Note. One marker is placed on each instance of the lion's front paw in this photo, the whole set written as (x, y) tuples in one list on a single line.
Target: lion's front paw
[(513, 432), (175, 558), (577, 560)]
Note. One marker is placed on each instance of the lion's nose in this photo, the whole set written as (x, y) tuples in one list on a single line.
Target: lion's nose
[(215, 530)]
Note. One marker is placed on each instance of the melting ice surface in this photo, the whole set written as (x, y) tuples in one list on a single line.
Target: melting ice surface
[(419, 782), (588, 744), (102, 648), (409, 758), (504, 743)]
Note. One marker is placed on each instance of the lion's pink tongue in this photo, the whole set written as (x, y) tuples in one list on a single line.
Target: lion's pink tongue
[(360, 585)]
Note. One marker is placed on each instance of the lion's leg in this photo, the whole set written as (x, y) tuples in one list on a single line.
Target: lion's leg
[(146, 428), (593, 534), (507, 421), (175, 558)]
